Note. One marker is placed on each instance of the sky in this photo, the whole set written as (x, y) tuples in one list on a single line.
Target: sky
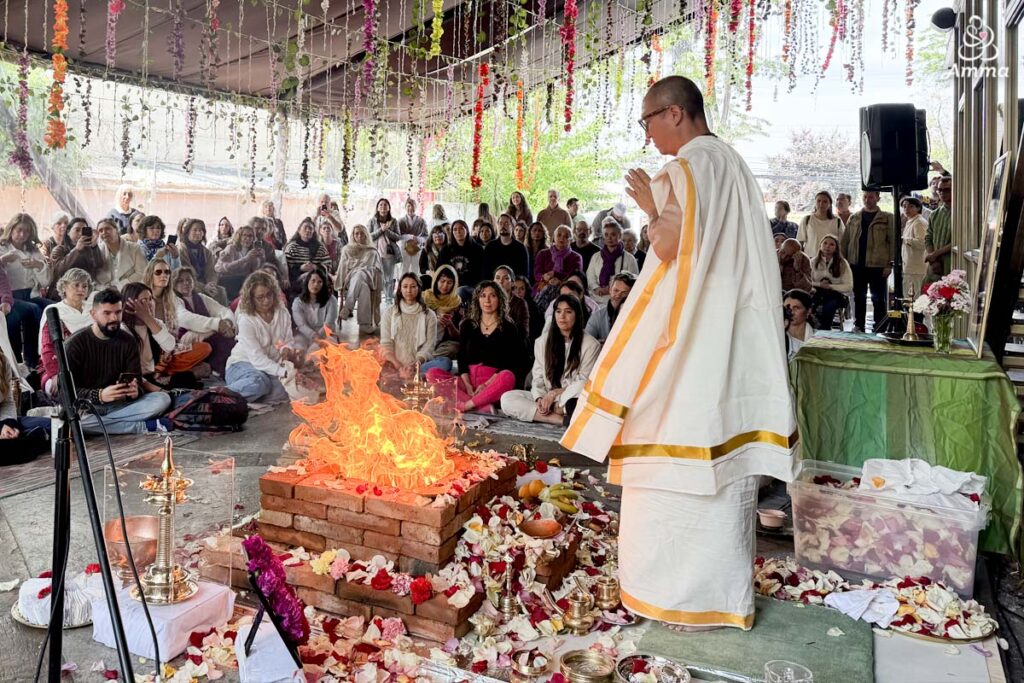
[(835, 106)]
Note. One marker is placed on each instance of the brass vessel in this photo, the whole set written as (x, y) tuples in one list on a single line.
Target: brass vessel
[(607, 592), (579, 618), (587, 666)]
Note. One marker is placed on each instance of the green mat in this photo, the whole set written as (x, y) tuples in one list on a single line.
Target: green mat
[(782, 630)]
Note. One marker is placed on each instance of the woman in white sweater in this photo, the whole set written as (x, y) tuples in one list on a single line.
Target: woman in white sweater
[(832, 279), (257, 364), (563, 359), (314, 308), (203, 318), (409, 328)]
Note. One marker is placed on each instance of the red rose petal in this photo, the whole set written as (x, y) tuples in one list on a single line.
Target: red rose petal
[(111, 674), (541, 466), (195, 659), (479, 667), (45, 575), (640, 666), (521, 468), (91, 569), (43, 592)]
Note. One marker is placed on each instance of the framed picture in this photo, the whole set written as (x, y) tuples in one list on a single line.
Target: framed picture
[(988, 253)]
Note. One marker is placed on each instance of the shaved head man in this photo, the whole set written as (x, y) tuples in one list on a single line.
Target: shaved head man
[(689, 401)]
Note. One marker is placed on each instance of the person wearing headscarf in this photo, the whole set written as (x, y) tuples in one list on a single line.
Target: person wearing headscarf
[(444, 300), (359, 281)]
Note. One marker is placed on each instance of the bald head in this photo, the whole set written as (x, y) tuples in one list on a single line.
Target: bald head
[(677, 90)]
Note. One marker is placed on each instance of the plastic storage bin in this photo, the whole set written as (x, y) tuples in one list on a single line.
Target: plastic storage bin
[(867, 534)]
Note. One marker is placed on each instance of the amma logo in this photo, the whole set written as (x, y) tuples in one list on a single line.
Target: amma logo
[(979, 55)]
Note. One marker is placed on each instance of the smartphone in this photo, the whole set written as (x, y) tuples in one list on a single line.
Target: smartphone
[(87, 231), (125, 378), (172, 239)]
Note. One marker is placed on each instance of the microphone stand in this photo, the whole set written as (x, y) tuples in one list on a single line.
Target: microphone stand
[(70, 432)]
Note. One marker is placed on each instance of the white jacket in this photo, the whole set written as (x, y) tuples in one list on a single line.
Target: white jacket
[(260, 343), (128, 265), (572, 382), (21, 277), (820, 271)]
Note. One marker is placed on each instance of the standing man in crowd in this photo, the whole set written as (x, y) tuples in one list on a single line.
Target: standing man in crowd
[(938, 240), (843, 201), (618, 212), (573, 207), (123, 213), (326, 212), (869, 244), (781, 223), (581, 243), (689, 413), (552, 215)]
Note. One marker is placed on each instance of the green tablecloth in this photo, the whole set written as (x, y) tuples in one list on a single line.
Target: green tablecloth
[(859, 397)]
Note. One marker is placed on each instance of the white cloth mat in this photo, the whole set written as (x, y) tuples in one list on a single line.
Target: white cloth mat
[(269, 660)]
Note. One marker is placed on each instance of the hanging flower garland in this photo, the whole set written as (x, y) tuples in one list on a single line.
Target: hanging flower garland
[(519, 135), (660, 51), (56, 131), (22, 155), (190, 135), (176, 41), (910, 25), (885, 25), (369, 31), (410, 161), (126, 146), (478, 123), (304, 173), (114, 9), (87, 108), (449, 93), (751, 42), (534, 149), (834, 22), (346, 157), (787, 30), (710, 40), (437, 28), (252, 156), (568, 32)]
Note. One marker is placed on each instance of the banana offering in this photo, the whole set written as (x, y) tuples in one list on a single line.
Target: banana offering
[(561, 496)]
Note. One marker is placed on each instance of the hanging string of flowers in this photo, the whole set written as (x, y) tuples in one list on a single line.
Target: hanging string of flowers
[(369, 31), (519, 135), (834, 23), (710, 40), (751, 42), (449, 93), (478, 123), (568, 32), (659, 60), (534, 149), (87, 108), (126, 143), (81, 27), (56, 131), (346, 156), (410, 160), (252, 156), (437, 28), (190, 135), (911, 23), (176, 41), (787, 30), (304, 173), (114, 9), (22, 155), (885, 25)]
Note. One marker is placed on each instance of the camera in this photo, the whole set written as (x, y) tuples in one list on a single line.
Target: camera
[(87, 231), (172, 239), (323, 208)]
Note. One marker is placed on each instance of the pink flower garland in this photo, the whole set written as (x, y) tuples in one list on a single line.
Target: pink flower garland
[(270, 578), (22, 156), (114, 9), (568, 33), (369, 31)]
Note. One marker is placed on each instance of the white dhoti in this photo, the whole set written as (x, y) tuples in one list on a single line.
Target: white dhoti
[(699, 575)]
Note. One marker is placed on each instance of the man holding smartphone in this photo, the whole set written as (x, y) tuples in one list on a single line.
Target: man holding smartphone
[(104, 360)]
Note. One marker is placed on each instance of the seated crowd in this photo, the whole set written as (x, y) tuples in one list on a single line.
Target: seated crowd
[(507, 312)]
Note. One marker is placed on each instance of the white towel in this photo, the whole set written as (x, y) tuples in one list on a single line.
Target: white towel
[(917, 481)]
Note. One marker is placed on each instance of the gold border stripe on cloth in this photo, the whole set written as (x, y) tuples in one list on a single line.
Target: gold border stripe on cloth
[(687, 618), (653, 450)]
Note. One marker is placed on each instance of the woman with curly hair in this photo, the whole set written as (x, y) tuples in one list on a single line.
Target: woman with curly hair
[(264, 342), (492, 356)]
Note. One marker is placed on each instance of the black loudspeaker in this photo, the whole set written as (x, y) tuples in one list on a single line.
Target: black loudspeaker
[(893, 147)]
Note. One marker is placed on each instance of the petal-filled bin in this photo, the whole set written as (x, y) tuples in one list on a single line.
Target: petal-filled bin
[(866, 534)]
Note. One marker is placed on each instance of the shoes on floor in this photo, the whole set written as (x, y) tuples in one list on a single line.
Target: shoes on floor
[(159, 425)]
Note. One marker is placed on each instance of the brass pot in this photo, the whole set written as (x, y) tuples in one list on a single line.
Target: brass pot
[(587, 666), (142, 534), (607, 592)]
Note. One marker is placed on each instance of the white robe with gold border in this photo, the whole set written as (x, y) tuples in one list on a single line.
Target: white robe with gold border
[(690, 394)]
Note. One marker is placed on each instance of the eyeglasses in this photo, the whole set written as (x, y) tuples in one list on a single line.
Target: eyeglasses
[(269, 296), (161, 272), (644, 120)]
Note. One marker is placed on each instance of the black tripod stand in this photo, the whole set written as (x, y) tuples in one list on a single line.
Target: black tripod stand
[(895, 323), (68, 433)]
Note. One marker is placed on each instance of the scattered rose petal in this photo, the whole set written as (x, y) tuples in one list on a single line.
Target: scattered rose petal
[(8, 585), (982, 651), (952, 650), (111, 674), (836, 632), (68, 667), (98, 666)]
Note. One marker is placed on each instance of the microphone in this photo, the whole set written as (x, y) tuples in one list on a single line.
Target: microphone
[(55, 325)]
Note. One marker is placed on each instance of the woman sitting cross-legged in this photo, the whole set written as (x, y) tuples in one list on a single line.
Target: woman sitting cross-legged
[(257, 367), (184, 355), (314, 309), (359, 281), (73, 287), (492, 356), (563, 359), (201, 318), (156, 343), (408, 331), (443, 299), (197, 256), (22, 439)]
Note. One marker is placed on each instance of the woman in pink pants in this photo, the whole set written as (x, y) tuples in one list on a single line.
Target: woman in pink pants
[(492, 353)]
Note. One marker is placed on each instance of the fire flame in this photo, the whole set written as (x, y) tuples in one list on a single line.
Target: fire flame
[(360, 432)]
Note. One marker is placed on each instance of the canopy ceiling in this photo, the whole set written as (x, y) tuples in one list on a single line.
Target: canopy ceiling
[(333, 40)]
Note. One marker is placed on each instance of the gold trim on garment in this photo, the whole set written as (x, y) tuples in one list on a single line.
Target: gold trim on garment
[(654, 450), (684, 260), (607, 405), (743, 621)]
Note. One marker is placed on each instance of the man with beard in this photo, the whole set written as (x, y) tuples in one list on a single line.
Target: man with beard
[(600, 324), (505, 251), (104, 360)]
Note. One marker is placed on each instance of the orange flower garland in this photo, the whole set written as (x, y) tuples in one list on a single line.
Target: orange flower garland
[(475, 181), (519, 136), (56, 132), (710, 38)]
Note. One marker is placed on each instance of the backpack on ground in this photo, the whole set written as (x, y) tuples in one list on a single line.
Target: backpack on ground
[(217, 409)]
